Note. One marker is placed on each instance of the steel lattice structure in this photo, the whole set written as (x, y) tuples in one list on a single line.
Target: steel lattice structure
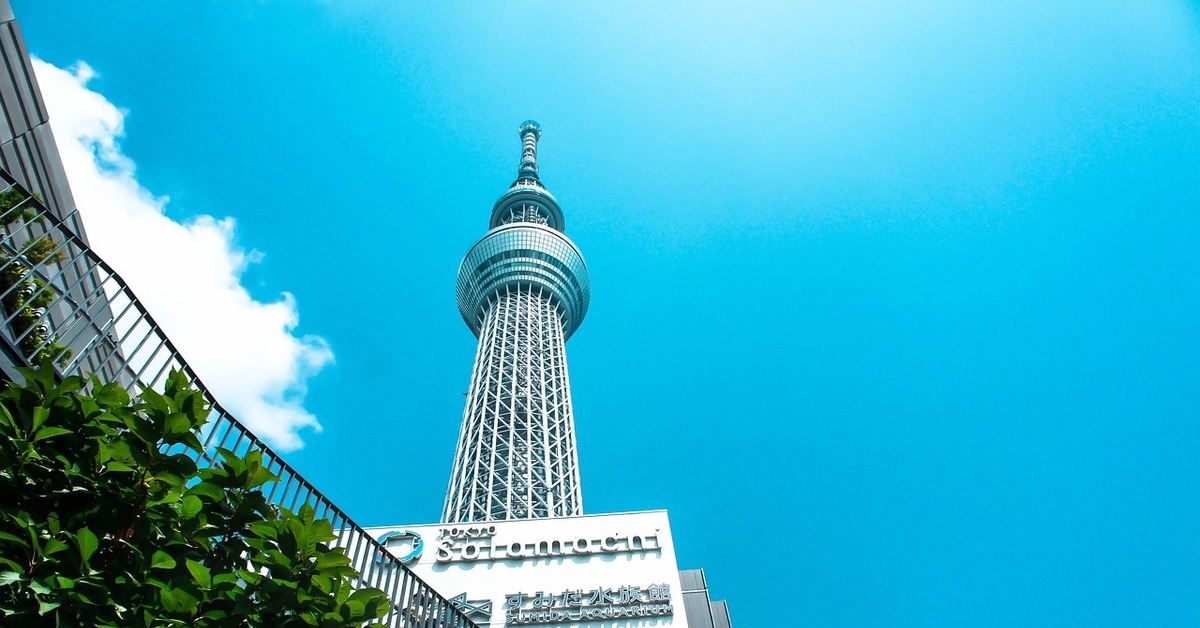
[(523, 290)]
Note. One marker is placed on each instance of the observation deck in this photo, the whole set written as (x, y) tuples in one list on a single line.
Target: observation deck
[(524, 255), (525, 248)]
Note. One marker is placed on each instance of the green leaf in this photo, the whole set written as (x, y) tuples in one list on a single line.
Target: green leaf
[(118, 450), (108, 417), (50, 432), (263, 529), (9, 577), (225, 578), (307, 513), (249, 577), (262, 475), (332, 558), (112, 396), (190, 506), (6, 417), (182, 464), (53, 546), (45, 607), (178, 423), (70, 384), (162, 560), (192, 442), (209, 490), (169, 479), (40, 414), (200, 573), (153, 400), (178, 601), (88, 543), (234, 461), (118, 467)]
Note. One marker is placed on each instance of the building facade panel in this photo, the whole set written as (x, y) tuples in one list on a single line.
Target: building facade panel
[(27, 148)]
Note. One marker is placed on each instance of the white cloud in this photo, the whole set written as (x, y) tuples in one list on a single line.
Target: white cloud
[(188, 274)]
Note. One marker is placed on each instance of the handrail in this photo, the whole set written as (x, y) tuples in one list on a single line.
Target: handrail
[(87, 320)]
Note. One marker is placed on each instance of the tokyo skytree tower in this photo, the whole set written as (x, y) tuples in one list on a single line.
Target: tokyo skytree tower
[(523, 289)]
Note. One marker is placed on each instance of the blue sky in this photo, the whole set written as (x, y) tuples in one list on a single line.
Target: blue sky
[(895, 306)]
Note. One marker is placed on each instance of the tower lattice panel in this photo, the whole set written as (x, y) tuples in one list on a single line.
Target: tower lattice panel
[(516, 454)]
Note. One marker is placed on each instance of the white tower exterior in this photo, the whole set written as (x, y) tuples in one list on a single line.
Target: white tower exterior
[(523, 289)]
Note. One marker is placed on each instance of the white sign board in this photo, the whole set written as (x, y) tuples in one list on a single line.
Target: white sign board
[(603, 571)]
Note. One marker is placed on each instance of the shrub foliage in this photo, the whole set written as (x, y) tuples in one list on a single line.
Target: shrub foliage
[(100, 527)]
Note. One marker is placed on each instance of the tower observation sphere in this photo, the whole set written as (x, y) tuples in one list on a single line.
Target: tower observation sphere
[(523, 289)]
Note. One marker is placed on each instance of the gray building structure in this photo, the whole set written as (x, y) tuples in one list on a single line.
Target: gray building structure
[(27, 148), (702, 611), (29, 155)]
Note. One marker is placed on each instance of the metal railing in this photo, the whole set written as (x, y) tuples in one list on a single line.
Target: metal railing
[(61, 302)]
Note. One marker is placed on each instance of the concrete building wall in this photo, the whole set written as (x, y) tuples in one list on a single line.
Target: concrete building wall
[(27, 149), (29, 155), (702, 611)]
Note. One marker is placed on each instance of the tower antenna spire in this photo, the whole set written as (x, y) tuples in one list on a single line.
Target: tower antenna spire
[(530, 133), (523, 289)]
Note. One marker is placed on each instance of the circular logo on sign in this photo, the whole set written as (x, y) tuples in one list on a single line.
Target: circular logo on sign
[(396, 536)]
